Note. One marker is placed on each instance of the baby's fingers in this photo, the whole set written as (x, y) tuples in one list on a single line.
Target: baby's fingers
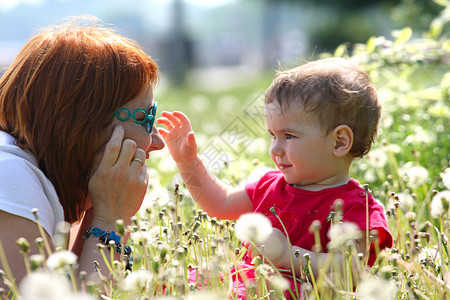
[(166, 122), (190, 140), (182, 118), (163, 132), (171, 116)]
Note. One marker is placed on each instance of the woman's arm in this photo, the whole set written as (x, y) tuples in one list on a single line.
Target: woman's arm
[(116, 189), (12, 228)]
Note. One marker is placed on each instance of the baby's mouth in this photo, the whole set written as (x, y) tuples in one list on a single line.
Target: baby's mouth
[(282, 167)]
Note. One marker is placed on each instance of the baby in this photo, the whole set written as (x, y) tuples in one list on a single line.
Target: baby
[(322, 116)]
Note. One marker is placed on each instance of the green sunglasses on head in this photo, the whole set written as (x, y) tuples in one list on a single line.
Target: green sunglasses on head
[(140, 116)]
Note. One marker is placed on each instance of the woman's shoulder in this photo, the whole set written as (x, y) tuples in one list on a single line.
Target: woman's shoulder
[(23, 186), (10, 152)]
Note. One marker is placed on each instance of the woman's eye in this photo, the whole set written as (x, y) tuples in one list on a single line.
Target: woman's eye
[(140, 116)]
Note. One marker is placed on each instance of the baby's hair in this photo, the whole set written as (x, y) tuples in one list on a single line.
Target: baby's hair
[(336, 92)]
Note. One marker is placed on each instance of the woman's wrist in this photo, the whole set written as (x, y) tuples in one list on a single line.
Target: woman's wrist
[(109, 225)]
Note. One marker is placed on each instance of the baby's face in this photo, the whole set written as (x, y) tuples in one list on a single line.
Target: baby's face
[(300, 148)]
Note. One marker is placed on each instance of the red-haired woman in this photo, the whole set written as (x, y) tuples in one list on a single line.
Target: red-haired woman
[(76, 126)]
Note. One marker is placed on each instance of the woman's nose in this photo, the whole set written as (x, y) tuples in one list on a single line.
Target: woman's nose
[(157, 140)]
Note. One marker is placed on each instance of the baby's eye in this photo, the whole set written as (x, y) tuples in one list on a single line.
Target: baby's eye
[(289, 136)]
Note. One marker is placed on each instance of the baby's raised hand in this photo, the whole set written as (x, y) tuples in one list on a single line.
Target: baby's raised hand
[(179, 136)]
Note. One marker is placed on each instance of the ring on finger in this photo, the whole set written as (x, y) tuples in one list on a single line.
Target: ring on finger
[(139, 161)]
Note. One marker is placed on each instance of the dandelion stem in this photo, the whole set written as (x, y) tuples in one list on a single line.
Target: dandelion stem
[(290, 248), (424, 208), (108, 265), (8, 272), (313, 280), (42, 232), (367, 223)]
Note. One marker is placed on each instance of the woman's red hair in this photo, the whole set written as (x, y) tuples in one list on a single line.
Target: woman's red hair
[(59, 96)]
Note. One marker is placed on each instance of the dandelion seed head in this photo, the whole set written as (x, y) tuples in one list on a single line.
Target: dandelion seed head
[(263, 270), (377, 158), (394, 148), (414, 175), (36, 261), (205, 295), (410, 216), (387, 121), (279, 283), (341, 233), (446, 178), (158, 195), (137, 280), (406, 201), (374, 288), (439, 203), (79, 296), (370, 176), (430, 253), (167, 165), (62, 260), (253, 227), (44, 286)]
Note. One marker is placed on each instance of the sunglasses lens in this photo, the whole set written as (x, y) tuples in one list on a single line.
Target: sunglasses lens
[(140, 116)]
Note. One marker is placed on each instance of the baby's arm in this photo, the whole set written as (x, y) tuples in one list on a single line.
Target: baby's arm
[(213, 196), (276, 249)]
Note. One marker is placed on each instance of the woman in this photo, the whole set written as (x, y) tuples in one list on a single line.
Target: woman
[(76, 126)]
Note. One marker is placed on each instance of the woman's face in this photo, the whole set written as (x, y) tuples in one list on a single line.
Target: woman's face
[(146, 141), (138, 132)]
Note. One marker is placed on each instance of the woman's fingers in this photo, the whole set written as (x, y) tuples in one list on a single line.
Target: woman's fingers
[(126, 153), (138, 160), (113, 147)]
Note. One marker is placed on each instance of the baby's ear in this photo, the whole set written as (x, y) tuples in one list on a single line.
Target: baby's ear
[(343, 136)]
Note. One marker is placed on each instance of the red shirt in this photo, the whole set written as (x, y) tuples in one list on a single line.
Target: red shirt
[(298, 208)]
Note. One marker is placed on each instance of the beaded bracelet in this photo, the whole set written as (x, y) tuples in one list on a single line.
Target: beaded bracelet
[(105, 237)]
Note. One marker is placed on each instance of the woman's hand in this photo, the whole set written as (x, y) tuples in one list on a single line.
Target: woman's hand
[(118, 185), (275, 248), (179, 137)]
